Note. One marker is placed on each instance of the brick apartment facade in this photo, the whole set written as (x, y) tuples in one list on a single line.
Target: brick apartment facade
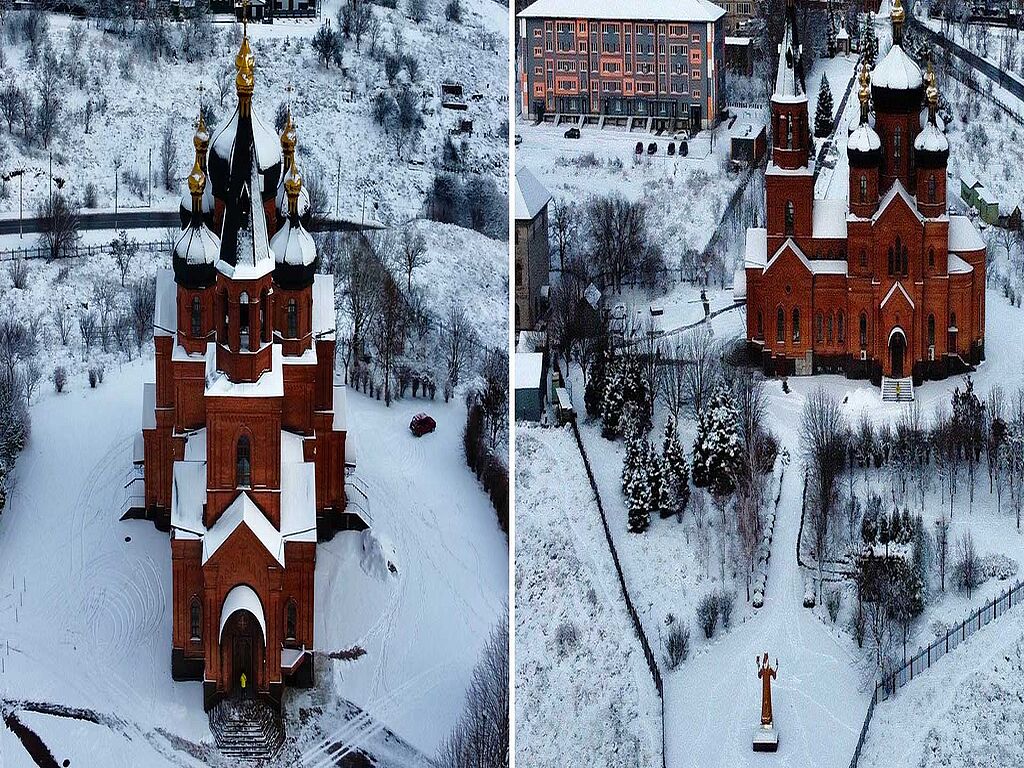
[(883, 283), (657, 59)]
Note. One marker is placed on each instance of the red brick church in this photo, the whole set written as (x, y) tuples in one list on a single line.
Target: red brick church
[(244, 434), (881, 283)]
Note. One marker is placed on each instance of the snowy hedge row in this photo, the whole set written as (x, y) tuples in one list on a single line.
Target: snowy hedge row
[(764, 550)]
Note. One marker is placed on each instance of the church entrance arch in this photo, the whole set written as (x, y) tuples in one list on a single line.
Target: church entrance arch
[(242, 640), (897, 353)]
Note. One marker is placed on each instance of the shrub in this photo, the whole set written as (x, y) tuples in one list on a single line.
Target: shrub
[(60, 378), (566, 638), (92, 378), (707, 613), (833, 599), (90, 197), (18, 271), (677, 644), (726, 602), (453, 11)]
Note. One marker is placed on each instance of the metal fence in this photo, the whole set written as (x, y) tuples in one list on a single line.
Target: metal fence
[(924, 658), (863, 733), (78, 251)]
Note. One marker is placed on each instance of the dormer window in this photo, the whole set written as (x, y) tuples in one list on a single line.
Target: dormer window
[(243, 319), (197, 325)]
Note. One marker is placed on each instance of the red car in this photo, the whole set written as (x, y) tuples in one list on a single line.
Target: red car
[(422, 424)]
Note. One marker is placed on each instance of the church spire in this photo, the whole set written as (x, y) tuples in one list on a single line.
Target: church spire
[(244, 64), (864, 93), (898, 16), (789, 81), (931, 93)]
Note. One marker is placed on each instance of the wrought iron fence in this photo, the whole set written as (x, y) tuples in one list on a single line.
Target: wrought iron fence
[(78, 251)]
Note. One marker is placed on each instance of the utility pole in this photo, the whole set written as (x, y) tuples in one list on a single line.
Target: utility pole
[(51, 182), (337, 191), (150, 177), (21, 204)]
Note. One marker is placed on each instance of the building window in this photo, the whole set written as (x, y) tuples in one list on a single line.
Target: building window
[(863, 188), (828, 329), (897, 141), (760, 325), (931, 330), (195, 621), (780, 326), (841, 327), (931, 258), (292, 317), (819, 329), (197, 325), (863, 330), (790, 217), (243, 319), (243, 463), (931, 188), (291, 619), (789, 132), (952, 320), (796, 325), (863, 257)]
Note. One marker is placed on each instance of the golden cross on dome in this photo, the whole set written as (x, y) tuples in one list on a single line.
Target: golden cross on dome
[(245, 18)]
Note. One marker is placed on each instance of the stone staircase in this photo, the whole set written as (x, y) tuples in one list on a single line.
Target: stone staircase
[(897, 390), (246, 730)]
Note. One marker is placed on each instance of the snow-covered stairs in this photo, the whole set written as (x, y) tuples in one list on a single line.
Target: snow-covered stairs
[(897, 390), (247, 730)]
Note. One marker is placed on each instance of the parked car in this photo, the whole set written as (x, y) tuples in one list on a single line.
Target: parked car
[(639, 147), (652, 148), (684, 149), (422, 424), (671, 148), (572, 133), (682, 137), (519, 139)]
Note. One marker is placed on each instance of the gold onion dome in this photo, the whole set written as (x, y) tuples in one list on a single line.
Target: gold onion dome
[(932, 91), (898, 15), (289, 138), (293, 185), (196, 180), (865, 84), (201, 140), (244, 63)]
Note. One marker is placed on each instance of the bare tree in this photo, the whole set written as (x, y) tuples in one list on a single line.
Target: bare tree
[(672, 379), (702, 358), (414, 254), (225, 80), (168, 156), (125, 249), (62, 322), (10, 104), (942, 549), (823, 444), (142, 306), (49, 106), (388, 332), (457, 339), (58, 228), (617, 230), (359, 273)]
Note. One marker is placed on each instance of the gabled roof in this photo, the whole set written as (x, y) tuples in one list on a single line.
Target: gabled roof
[(957, 266), (640, 10), (531, 195), (963, 235), (897, 190), (243, 511), (892, 292), (791, 244)]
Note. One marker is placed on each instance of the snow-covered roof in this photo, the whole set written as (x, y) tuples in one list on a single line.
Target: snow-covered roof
[(298, 501), (968, 179), (531, 195), (242, 598), (803, 170), (892, 292), (896, 71), (282, 195), (814, 266), (963, 235), (324, 316), (253, 257), (340, 401), (639, 10), (931, 139), (896, 190), (957, 266), (739, 285), (149, 405), (265, 143), (188, 497), (293, 245), (207, 202), (985, 195), (243, 511), (829, 219), (529, 367), (756, 250), (842, 34), (744, 41), (863, 138), (789, 78), (197, 245), (165, 314), (195, 445), (270, 384)]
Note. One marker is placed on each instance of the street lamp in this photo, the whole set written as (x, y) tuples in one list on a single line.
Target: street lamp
[(20, 173)]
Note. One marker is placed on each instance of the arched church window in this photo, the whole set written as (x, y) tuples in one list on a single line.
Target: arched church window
[(863, 257), (863, 330), (292, 312), (760, 325), (796, 325), (841, 327), (243, 463), (931, 330), (931, 258), (195, 619), (243, 319), (828, 329), (819, 328), (789, 132), (197, 325), (903, 261), (224, 305), (952, 319), (863, 188), (892, 262), (780, 326), (790, 217), (897, 144), (932, 186), (291, 619)]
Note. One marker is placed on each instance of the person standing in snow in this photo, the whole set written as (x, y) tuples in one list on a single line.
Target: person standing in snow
[(707, 305)]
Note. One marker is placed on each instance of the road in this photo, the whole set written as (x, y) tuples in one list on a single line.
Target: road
[(153, 219)]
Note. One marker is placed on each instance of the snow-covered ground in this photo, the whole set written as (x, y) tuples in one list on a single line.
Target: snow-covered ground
[(328, 104), (582, 685), (84, 597)]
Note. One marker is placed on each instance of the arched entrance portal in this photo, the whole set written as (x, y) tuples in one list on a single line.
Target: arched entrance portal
[(242, 641), (897, 353)]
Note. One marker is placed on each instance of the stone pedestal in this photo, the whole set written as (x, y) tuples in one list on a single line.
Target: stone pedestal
[(766, 739)]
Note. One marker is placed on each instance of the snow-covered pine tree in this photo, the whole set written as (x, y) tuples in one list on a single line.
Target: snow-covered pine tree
[(676, 471), (638, 495), (612, 401), (635, 390), (823, 110), (658, 488), (830, 32), (869, 40), (593, 396), (634, 445), (718, 449)]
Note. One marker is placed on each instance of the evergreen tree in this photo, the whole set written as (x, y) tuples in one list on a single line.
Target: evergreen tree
[(635, 391), (639, 493), (657, 485), (612, 401), (869, 40), (676, 471), (634, 446), (823, 110), (594, 393), (868, 534), (718, 448), (830, 31), (883, 532)]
